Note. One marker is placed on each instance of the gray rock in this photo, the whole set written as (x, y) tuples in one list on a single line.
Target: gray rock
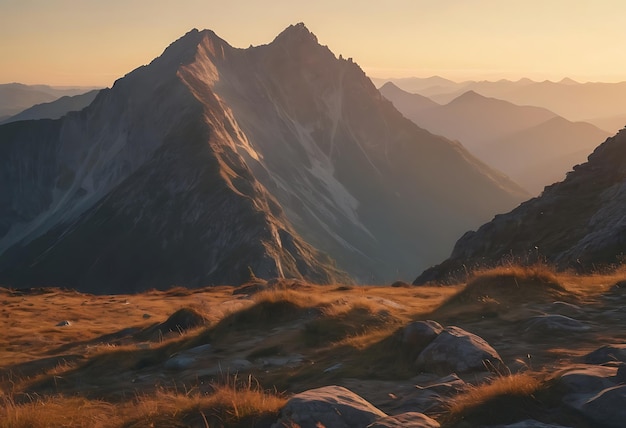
[(188, 358), (418, 335), (607, 408), (64, 323), (567, 309), (607, 354), (331, 406), (405, 420), (456, 350), (588, 379), (553, 323), (529, 423)]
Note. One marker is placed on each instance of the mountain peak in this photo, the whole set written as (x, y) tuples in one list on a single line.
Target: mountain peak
[(296, 33)]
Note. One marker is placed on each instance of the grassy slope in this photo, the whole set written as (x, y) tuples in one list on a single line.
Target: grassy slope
[(107, 367)]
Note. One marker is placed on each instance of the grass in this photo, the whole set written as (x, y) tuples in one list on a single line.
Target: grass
[(83, 374), (233, 403), (505, 399)]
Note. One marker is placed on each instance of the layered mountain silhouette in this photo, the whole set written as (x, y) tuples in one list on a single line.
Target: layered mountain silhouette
[(598, 103), (212, 164), (532, 145), (16, 97), (578, 223), (55, 109)]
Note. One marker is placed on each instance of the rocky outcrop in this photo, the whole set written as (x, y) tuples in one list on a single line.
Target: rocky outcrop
[(330, 406), (577, 223), (455, 350)]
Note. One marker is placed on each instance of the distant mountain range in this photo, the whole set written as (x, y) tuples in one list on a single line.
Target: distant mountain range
[(577, 224), (601, 104), (17, 97), (532, 145), (213, 164), (55, 109)]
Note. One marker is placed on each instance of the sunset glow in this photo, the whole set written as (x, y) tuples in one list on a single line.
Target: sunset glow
[(72, 42)]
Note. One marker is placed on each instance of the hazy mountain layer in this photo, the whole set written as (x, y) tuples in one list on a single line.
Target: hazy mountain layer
[(595, 102), (212, 161), (532, 145), (55, 109), (16, 97), (578, 223)]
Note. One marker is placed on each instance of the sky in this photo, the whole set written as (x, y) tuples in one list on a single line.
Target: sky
[(94, 42)]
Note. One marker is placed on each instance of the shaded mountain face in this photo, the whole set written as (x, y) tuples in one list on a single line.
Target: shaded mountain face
[(578, 223), (55, 109), (214, 162), (532, 145)]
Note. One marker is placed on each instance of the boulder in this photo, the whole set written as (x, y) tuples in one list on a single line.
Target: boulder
[(588, 379), (456, 350), (405, 420), (330, 406), (606, 408), (607, 354), (543, 324), (528, 423), (418, 335)]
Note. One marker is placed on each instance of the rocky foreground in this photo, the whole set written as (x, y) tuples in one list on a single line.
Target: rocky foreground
[(514, 347)]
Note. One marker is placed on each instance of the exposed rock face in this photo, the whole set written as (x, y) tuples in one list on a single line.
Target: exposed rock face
[(331, 406), (406, 420), (578, 223), (212, 162), (456, 350)]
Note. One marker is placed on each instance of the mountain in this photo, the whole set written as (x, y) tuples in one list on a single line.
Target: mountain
[(55, 109), (417, 84), (542, 154), (574, 101), (578, 223), (16, 97), (532, 145), (212, 163)]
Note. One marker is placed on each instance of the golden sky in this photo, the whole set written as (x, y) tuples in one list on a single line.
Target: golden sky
[(94, 42)]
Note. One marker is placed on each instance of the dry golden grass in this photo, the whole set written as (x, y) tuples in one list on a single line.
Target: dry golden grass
[(503, 399), (84, 368), (230, 404)]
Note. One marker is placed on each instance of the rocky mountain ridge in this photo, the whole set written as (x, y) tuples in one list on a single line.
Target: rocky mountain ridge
[(577, 223), (212, 164)]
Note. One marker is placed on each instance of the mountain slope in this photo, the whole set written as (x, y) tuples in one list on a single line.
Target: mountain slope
[(55, 109), (16, 97), (542, 154), (213, 161), (367, 186), (577, 223), (531, 145)]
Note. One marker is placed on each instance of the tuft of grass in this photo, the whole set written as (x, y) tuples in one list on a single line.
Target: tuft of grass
[(57, 411), (234, 403), (504, 399)]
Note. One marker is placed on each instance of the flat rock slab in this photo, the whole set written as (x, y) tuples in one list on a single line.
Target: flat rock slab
[(553, 323), (406, 420), (588, 378), (606, 408), (528, 423), (458, 351), (607, 354), (331, 406)]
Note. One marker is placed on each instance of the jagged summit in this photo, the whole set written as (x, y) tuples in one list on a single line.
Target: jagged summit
[(296, 33)]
